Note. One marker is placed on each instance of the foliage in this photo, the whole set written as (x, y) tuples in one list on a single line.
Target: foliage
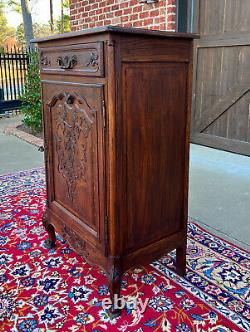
[(66, 24), (22, 7), (66, 18), (40, 30), (3, 19), (32, 107), (66, 3), (15, 6), (5, 31)]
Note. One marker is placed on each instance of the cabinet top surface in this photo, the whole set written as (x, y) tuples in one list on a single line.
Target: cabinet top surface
[(117, 29)]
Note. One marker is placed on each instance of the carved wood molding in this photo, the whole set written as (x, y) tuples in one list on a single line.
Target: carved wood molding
[(67, 62), (45, 219), (86, 59), (74, 119), (93, 60), (69, 98), (75, 241), (116, 270), (45, 61)]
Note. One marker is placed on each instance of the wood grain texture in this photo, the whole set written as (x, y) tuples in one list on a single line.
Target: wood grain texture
[(117, 150), (222, 81), (151, 119)]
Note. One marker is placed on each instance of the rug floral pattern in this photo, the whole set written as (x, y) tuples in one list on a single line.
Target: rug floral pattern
[(56, 290)]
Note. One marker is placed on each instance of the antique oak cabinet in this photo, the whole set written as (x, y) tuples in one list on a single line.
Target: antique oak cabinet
[(116, 110)]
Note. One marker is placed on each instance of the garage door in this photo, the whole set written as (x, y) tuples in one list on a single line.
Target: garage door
[(221, 105)]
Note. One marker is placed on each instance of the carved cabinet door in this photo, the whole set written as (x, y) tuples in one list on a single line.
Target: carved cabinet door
[(73, 126)]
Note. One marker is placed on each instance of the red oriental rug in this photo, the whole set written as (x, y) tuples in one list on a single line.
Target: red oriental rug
[(56, 290)]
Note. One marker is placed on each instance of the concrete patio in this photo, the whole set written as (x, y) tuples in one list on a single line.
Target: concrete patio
[(219, 193), (16, 154), (219, 197)]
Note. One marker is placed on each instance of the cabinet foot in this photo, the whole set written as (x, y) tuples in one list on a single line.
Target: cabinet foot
[(114, 313), (51, 241), (49, 244), (114, 290), (181, 260)]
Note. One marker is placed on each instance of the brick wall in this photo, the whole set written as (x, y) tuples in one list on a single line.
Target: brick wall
[(92, 13)]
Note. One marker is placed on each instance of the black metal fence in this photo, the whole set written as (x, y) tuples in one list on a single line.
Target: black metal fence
[(13, 69)]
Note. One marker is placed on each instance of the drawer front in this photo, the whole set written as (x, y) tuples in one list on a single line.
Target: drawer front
[(82, 59)]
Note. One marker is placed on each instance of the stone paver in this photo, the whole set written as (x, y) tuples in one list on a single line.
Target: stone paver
[(13, 130)]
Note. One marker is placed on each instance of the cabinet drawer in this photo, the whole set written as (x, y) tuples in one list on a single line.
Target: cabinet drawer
[(82, 59)]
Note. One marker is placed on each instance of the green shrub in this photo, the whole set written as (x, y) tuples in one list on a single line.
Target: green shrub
[(32, 105)]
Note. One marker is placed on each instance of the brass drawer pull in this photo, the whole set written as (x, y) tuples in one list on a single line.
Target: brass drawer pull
[(67, 62)]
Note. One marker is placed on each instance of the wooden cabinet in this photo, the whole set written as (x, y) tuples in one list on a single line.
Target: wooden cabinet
[(116, 108)]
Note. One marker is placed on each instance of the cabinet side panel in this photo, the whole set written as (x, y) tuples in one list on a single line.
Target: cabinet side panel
[(154, 113)]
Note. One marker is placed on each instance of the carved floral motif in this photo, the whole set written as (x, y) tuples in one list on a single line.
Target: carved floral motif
[(93, 60), (77, 243), (88, 61), (74, 119), (45, 61)]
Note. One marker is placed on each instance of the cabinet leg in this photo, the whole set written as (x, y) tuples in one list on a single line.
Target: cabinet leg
[(181, 260), (50, 242), (114, 290)]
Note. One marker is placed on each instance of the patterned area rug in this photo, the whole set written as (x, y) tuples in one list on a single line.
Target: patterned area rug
[(57, 290)]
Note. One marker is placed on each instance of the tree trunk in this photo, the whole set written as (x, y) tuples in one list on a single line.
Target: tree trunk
[(27, 22), (51, 16), (62, 18)]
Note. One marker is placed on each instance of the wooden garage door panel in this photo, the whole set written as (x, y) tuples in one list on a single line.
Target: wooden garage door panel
[(234, 123), (224, 16), (208, 9), (224, 77), (208, 79), (236, 17), (222, 62)]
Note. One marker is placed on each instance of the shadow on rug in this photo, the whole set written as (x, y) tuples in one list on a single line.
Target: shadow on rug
[(57, 290)]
